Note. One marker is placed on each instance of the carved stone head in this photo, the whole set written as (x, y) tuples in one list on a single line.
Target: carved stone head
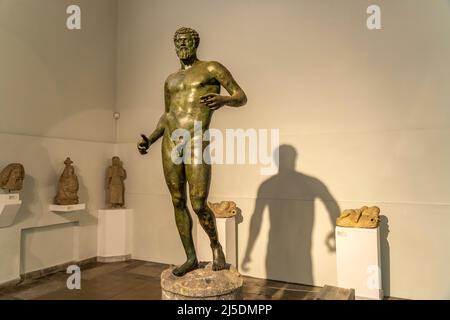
[(11, 177)]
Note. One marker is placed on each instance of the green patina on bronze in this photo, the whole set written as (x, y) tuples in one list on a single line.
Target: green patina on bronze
[(192, 94)]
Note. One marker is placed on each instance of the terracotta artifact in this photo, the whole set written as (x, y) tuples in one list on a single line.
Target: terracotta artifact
[(67, 185), (115, 188), (224, 209), (192, 95), (359, 218), (11, 177)]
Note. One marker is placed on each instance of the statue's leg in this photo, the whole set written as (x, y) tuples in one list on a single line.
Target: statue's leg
[(199, 177), (176, 182)]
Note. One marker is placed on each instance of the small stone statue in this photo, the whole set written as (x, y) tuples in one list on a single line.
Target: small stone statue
[(67, 185), (11, 177), (224, 209), (115, 188), (359, 218)]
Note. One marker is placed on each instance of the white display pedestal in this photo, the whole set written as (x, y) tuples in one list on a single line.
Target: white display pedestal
[(114, 234), (226, 228), (359, 261), (67, 208), (9, 207)]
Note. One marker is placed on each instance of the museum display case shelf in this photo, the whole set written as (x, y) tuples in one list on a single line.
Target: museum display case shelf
[(66, 208)]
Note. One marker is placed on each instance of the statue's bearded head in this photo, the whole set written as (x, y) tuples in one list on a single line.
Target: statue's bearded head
[(186, 42)]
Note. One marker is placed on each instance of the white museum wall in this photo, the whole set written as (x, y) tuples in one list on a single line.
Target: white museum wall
[(64, 78), (56, 100), (366, 111)]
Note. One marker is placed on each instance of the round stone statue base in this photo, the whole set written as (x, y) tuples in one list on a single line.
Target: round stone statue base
[(202, 284)]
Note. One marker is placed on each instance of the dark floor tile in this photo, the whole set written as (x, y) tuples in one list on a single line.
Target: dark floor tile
[(34, 290), (297, 295), (100, 286), (104, 268), (264, 282), (6, 297), (149, 270), (137, 280), (147, 292), (93, 290), (255, 297), (269, 292), (302, 287)]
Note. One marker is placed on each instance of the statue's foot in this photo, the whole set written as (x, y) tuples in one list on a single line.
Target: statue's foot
[(219, 262), (189, 265)]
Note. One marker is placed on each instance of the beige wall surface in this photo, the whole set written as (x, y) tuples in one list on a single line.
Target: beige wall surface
[(56, 82), (365, 111), (56, 100)]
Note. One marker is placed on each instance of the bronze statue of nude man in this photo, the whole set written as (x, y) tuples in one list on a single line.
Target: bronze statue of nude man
[(192, 94)]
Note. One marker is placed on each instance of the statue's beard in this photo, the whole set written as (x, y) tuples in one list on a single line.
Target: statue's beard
[(185, 52)]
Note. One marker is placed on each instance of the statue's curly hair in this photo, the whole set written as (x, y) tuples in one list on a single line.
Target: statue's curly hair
[(186, 30)]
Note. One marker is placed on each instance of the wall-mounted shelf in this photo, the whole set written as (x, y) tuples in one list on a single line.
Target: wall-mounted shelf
[(9, 207), (67, 208)]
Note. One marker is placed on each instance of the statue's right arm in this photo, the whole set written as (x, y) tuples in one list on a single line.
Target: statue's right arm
[(160, 127), (159, 130)]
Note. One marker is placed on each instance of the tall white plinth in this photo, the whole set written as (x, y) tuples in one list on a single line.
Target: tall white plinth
[(226, 228), (114, 234), (359, 261), (9, 207)]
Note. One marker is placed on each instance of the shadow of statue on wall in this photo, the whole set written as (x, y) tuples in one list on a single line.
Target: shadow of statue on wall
[(290, 196)]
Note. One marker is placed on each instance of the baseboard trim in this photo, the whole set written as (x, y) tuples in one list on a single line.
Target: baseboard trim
[(54, 269), (10, 283), (114, 258), (32, 275)]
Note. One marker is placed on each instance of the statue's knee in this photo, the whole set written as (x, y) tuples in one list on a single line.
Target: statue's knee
[(198, 205), (178, 202)]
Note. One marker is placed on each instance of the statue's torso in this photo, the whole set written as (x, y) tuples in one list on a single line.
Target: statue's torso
[(185, 88), (117, 175)]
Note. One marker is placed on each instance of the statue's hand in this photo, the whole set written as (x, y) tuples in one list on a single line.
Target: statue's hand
[(213, 100), (143, 145)]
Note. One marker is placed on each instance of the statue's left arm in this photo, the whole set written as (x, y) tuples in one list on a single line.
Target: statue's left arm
[(237, 96)]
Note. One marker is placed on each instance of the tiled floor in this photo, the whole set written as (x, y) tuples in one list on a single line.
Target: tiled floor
[(138, 280)]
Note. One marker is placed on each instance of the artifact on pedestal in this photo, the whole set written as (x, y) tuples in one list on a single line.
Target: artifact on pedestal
[(115, 187), (67, 185), (364, 217), (192, 94), (12, 176), (224, 209)]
